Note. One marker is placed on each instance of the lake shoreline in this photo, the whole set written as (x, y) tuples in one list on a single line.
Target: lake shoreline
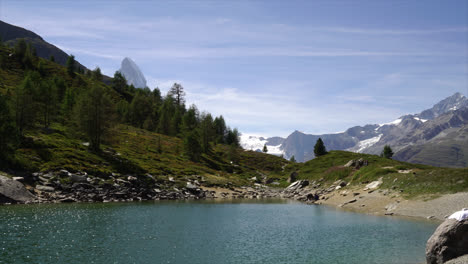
[(48, 188)]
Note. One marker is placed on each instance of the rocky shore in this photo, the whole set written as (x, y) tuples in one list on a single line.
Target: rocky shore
[(64, 186)]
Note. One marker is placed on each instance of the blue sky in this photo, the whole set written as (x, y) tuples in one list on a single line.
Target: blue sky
[(272, 67)]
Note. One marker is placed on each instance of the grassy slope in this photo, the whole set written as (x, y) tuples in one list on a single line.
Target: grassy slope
[(421, 180)]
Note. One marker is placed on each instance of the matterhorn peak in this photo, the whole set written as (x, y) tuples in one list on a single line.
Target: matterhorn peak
[(132, 73)]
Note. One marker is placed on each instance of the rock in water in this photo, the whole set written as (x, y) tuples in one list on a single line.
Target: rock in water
[(449, 241), (12, 191), (132, 73)]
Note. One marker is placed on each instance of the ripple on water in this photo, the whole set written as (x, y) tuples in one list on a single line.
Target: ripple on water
[(205, 232)]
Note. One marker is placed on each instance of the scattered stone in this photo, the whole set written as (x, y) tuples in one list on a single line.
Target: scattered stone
[(374, 185), (43, 188)]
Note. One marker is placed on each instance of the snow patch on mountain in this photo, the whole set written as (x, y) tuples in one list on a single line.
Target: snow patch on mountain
[(419, 119), (363, 144), (256, 143)]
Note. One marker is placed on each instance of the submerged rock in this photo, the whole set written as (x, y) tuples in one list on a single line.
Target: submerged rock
[(449, 241)]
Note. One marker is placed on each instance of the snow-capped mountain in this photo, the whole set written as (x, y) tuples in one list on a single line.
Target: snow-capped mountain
[(407, 133), (132, 73), (256, 143)]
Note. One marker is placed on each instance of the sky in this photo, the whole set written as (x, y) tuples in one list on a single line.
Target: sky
[(272, 67)]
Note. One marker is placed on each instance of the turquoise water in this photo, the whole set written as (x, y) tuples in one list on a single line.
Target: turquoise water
[(273, 231)]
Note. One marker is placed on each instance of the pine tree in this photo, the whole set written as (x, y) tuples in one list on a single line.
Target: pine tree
[(220, 129), (192, 147), (232, 137), (265, 149), (292, 159), (178, 93), (71, 66), (8, 140), (52, 58), (47, 101), (207, 133), (96, 74), (165, 116), (319, 148), (25, 106), (387, 152), (119, 83), (94, 115)]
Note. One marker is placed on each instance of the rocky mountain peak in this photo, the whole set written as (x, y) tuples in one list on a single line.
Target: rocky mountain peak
[(454, 102), (132, 73)]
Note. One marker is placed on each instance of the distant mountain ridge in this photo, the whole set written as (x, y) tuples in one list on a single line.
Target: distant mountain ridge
[(10, 34), (444, 127)]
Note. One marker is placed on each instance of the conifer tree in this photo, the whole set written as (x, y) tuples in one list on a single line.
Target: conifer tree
[(387, 152), (265, 149), (207, 133), (119, 83), (96, 74), (94, 115), (319, 148), (47, 101), (220, 129), (192, 147), (292, 159), (178, 93), (71, 66), (165, 116), (25, 111), (8, 139)]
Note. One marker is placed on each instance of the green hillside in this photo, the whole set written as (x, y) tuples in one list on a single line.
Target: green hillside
[(418, 179), (125, 148)]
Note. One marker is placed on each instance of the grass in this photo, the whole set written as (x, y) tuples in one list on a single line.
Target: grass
[(422, 179)]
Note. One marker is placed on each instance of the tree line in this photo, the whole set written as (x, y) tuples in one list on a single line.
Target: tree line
[(79, 99)]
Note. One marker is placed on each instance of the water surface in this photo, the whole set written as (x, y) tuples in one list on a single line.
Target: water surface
[(268, 231)]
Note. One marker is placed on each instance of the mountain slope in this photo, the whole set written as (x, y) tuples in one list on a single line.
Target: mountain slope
[(438, 127), (132, 73), (10, 34)]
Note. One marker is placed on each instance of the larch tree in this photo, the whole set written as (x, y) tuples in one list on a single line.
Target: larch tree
[(94, 113)]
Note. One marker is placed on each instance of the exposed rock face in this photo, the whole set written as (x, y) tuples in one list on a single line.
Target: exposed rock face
[(132, 73), (449, 241), (12, 191)]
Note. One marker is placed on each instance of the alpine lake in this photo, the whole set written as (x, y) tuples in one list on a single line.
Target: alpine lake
[(210, 231)]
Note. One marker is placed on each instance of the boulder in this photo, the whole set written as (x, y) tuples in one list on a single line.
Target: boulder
[(374, 185), (449, 241), (78, 178), (12, 191), (292, 177)]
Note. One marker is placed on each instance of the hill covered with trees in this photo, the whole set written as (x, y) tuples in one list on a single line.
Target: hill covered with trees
[(55, 117)]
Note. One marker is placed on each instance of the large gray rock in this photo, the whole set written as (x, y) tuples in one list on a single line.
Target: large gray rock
[(12, 191), (449, 241)]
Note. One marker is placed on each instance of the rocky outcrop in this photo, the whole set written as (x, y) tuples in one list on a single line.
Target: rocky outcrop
[(132, 73), (449, 241), (12, 191)]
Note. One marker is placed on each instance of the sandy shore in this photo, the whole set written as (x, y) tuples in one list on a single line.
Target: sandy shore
[(383, 202)]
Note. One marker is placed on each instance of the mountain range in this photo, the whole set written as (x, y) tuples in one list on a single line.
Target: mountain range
[(436, 136)]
